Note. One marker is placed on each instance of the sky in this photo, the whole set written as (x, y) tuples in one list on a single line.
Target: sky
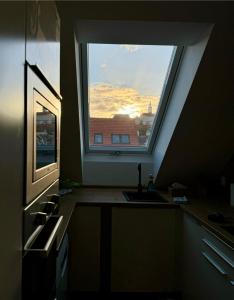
[(126, 78)]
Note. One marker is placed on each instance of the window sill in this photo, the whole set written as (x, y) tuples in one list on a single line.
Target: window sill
[(122, 158)]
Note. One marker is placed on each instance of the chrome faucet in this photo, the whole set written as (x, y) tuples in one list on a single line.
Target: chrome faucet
[(139, 187)]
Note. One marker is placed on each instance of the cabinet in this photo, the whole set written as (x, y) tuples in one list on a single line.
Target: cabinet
[(122, 249), (143, 250), (85, 227), (203, 265), (43, 39)]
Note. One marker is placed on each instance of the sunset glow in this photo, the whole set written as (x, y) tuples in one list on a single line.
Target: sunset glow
[(124, 79), (130, 110), (107, 100)]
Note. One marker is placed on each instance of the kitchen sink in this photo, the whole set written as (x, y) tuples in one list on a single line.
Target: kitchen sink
[(229, 228), (144, 197)]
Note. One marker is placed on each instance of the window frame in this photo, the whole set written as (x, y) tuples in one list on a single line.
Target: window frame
[(162, 107)]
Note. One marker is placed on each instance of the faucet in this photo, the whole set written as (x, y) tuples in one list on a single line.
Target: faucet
[(139, 187)]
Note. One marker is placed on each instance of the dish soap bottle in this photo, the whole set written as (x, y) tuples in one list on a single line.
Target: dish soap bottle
[(151, 186)]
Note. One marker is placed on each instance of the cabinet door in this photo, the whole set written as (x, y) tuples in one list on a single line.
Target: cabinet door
[(143, 249), (192, 260), (43, 39), (84, 233), (201, 279)]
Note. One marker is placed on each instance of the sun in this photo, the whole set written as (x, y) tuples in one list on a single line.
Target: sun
[(130, 110)]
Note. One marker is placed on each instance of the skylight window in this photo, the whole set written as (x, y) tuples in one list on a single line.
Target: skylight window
[(125, 87)]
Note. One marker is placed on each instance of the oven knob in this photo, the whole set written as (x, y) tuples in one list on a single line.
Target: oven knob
[(40, 218), (54, 198), (49, 207)]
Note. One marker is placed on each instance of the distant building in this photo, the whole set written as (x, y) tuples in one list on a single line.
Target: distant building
[(121, 130), (144, 125)]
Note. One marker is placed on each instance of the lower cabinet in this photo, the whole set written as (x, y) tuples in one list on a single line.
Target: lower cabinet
[(143, 250), (135, 253), (207, 264), (84, 233)]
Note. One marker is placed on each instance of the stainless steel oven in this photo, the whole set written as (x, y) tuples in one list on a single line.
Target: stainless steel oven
[(43, 107)]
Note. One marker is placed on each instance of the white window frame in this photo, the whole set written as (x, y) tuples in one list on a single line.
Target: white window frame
[(163, 103)]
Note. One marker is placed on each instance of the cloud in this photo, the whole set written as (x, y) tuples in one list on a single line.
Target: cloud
[(131, 48), (105, 100), (103, 66)]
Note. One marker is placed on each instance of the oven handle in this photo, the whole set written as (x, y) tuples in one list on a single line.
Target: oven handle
[(44, 251), (42, 76)]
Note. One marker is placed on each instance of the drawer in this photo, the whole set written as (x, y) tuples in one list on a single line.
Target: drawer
[(218, 254)]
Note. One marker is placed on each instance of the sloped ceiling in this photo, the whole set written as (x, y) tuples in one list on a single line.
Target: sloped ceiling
[(203, 141)]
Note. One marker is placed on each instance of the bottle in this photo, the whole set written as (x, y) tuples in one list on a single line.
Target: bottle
[(151, 186)]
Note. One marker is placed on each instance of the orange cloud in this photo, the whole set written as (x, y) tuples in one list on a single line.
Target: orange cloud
[(105, 100), (131, 48)]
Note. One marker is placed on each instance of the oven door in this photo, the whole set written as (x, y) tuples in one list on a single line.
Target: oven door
[(43, 136), (39, 262)]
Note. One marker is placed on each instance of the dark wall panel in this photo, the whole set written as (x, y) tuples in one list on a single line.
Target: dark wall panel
[(12, 56)]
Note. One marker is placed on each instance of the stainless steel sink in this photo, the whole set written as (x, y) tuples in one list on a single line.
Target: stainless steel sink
[(143, 197)]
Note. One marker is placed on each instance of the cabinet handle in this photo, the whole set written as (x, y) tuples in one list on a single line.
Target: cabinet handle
[(219, 239), (214, 264), (48, 244), (219, 253)]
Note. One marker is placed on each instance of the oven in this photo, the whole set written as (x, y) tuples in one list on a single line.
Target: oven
[(43, 110), (42, 224)]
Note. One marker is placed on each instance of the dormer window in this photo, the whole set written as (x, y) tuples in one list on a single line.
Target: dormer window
[(125, 89)]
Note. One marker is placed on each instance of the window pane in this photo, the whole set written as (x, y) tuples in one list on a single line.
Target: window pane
[(45, 137), (125, 83), (125, 139), (98, 138), (115, 139)]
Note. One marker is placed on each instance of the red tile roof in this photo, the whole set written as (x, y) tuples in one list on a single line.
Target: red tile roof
[(119, 124)]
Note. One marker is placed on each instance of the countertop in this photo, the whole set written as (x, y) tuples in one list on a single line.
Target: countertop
[(112, 197), (199, 208)]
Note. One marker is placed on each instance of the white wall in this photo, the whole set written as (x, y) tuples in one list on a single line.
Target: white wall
[(116, 170)]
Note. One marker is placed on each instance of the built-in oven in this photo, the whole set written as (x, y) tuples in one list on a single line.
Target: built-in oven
[(43, 107), (41, 222)]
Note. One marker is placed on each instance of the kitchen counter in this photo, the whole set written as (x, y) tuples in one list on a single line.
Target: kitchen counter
[(198, 208), (113, 197)]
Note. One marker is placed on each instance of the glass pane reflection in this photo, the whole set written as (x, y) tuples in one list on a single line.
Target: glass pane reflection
[(45, 137)]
